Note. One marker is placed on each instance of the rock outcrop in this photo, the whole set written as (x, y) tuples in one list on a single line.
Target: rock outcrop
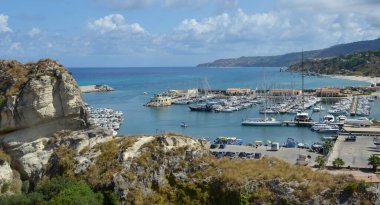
[(35, 94)]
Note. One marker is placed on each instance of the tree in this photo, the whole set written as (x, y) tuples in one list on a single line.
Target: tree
[(374, 161), (321, 160), (327, 147), (338, 162)]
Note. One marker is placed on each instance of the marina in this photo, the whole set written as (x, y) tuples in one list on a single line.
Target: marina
[(129, 97), (105, 117)]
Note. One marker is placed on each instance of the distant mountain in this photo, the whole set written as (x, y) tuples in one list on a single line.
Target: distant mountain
[(291, 58), (360, 63)]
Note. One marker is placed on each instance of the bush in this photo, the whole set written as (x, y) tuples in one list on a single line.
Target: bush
[(22, 199), (77, 194)]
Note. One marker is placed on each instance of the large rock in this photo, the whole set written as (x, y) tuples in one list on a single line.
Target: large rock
[(35, 94)]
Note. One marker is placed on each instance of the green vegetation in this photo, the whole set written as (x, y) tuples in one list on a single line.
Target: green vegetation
[(327, 147), (321, 160), (59, 190), (374, 161), (360, 63), (338, 163)]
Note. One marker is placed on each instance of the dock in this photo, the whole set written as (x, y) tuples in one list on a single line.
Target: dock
[(354, 106), (298, 123), (361, 131), (286, 109), (95, 88)]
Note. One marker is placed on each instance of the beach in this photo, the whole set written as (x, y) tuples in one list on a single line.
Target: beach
[(372, 80)]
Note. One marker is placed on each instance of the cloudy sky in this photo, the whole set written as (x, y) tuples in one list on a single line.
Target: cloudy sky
[(177, 32)]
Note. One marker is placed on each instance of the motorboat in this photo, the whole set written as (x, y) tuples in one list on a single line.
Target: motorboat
[(361, 121), (261, 122), (328, 129), (183, 124), (201, 107), (302, 117), (328, 118)]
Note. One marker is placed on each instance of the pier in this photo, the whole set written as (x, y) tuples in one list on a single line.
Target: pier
[(297, 123), (354, 106), (95, 88)]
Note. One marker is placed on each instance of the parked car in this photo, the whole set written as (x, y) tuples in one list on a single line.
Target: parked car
[(222, 146), (214, 146)]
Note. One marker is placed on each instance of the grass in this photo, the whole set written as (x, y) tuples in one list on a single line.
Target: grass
[(4, 156)]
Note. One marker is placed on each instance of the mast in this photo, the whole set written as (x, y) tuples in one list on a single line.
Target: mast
[(303, 74)]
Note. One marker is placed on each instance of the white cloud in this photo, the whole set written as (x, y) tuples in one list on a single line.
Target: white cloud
[(137, 4), (114, 22), (15, 46), (4, 24), (34, 32)]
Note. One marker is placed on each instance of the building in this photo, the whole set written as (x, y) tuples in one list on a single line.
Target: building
[(189, 93), (238, 91), (159, 101), (285, 92), (328, 92)]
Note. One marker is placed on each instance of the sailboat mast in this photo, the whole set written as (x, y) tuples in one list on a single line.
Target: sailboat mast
[(303, 75)]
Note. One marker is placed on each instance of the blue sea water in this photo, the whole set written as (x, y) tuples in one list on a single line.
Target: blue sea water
[(131, 83)]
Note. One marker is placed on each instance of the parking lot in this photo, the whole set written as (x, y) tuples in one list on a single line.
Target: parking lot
[(354, 153), (287, 154)]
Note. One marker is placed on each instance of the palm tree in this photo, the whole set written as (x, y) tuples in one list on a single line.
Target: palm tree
[(327, 147), (338, 162), (374, 161), (321, 160)]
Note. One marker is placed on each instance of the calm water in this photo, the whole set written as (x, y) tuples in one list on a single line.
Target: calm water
[(131, 83)]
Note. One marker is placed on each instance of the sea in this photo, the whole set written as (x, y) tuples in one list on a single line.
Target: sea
[(134, 86)]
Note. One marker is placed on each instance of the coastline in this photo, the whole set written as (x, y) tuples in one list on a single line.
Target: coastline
[(95, 88), (372, 80)]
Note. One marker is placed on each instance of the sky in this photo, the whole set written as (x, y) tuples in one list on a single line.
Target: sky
[(130, 33)]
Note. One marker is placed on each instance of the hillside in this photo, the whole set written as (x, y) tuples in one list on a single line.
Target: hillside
[(360, 63), (290, 58)]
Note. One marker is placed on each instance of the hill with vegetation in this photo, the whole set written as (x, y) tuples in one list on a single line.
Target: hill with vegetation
[(360, 63), (291, 58)]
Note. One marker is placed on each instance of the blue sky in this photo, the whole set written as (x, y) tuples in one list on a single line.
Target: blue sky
[(177, 32)]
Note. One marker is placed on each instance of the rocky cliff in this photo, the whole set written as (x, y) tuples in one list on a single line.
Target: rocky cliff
[(42, 95)]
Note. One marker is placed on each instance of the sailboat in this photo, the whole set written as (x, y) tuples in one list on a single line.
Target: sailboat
[(302, 116), (266, 121)]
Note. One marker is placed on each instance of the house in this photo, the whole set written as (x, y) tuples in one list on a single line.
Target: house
[(238, 91), (328, 92), (285, 92)]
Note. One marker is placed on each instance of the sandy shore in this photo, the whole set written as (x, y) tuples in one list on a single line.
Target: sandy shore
[(372, 80)]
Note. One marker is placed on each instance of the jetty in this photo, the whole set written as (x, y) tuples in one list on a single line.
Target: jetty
[(95, 88), (297, 123), (354, 106)]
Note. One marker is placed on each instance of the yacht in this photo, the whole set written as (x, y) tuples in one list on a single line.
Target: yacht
[(328, 129), (261, 122), (201, 107), (361, 121), (302, 117), (328, 119)]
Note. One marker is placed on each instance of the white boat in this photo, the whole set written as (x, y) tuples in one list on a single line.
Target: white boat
[(302, 117), (328, 129), (341, 119), (328, 118), (261, 122), (361, 121)]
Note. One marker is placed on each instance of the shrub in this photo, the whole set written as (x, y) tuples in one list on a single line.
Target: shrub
[(77, 194), (5, 187)]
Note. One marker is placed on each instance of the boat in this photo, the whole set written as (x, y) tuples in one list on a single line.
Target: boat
[(361, 121), (328, 118), (290, 143), (302, 117), (341, 119), (261, 122), (201, 107), (183, 124), (328, 129)]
